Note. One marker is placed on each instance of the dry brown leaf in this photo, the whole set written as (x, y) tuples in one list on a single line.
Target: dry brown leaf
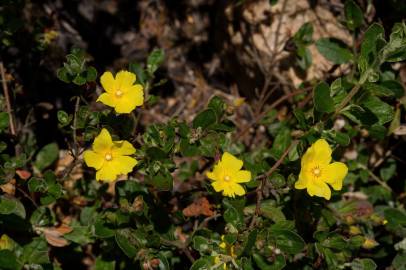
[(9, 187), (23, 174), (401, 130), (199, 207), (54, 235)]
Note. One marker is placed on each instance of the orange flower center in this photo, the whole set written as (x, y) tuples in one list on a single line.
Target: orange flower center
[(119, 93), (108, 157), (227, 178)]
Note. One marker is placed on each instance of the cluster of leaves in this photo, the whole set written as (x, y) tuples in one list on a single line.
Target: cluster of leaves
[(139, 223)]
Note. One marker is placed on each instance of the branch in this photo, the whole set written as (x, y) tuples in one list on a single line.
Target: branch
[(264, 177), (8, 102)]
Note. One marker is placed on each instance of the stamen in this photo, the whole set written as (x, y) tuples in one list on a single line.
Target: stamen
[(108, 157), (316, 171), (119, 93), (227, 178)]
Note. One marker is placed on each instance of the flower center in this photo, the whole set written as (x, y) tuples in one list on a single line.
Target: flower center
[(227, 178), (316, 171), (119, 93), (108, 157)]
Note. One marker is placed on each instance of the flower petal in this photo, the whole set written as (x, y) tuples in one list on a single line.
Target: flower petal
[(242, 176), (102, 142), (218, 185), (322, 151), (124, 79), (108, 82), (107, 99), (129, 101), (237, 189), (335, 174), (122, 148), (123, 164), (301, 183), (93, 159), (107, 173), (136, 94), (231, 163), (319, 188)]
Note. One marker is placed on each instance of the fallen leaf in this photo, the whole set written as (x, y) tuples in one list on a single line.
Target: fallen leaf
[(23, 174), (199, 207), (54, 235), (9, 187)]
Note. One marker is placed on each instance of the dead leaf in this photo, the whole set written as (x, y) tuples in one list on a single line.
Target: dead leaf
[(9, 187), (23, 174), (401, 130), (199, 207), (54, 235)]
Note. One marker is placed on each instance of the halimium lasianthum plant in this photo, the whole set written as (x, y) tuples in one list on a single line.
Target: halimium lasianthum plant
[(317, 171), (227, 176), (267, 154), (110, 158), (121, 91)]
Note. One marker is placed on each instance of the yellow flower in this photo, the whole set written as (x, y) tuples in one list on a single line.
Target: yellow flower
[(227, 175), (6, 242), (227, 247), (110, 158), (369, 243), (316, 171), (218, 261), (121, 92)]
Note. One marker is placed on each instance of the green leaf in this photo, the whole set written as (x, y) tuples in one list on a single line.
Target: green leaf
[(46, 156), (281, 143), (79, 79), (155, 59), (353, 15), (137, 69), (36, 184), (162, 181), (201, 264), (104, 265), (63, 75), (125, 241), (304, 36), (201, 244), (363, 264), (205, 119), (4, 121), (278, 263), (36, 252), (80, 235), (91, 74), (156, 153), (234, 216), (395, 51), (63, 118), (399, 262), (218, 105), (371, 45), (249, 243), (288, 241), (383, 111), (322, 99), (390, 88), (340, 138), (8, 260), (395, 217), (333, 51), (11, 205)]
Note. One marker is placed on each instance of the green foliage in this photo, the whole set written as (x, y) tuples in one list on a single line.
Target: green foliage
[(334, 51), (76, 70)]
